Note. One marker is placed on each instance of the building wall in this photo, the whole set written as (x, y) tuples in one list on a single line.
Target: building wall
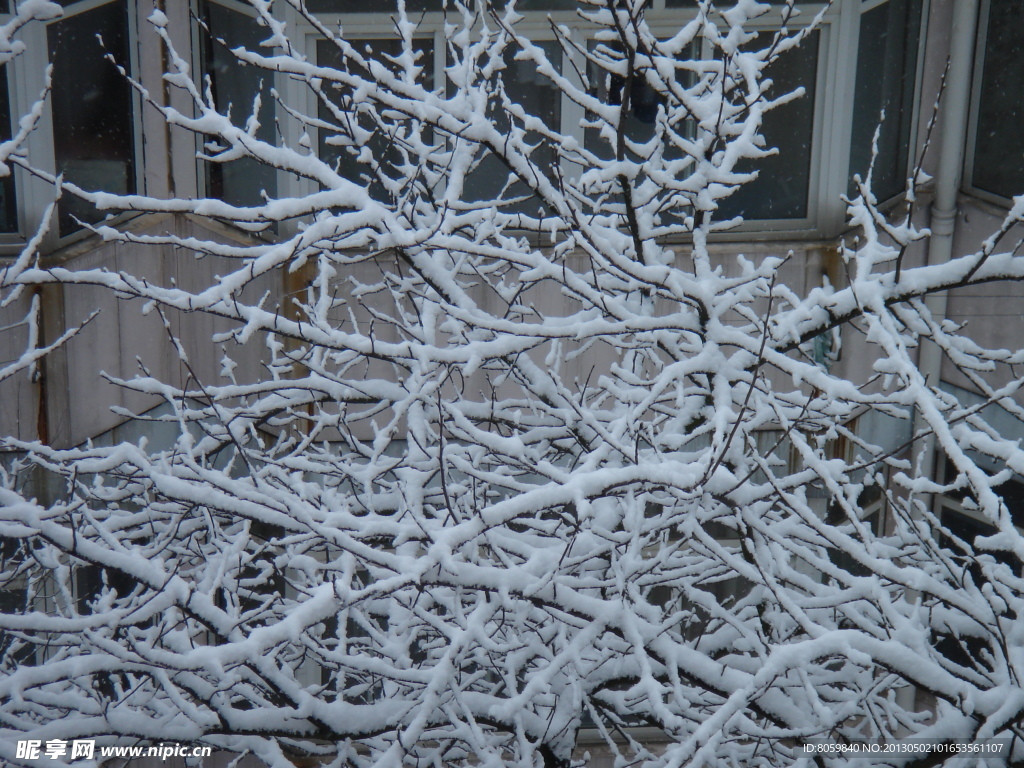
[(19, 393), (994, 313), (78, 399), (118, 337)]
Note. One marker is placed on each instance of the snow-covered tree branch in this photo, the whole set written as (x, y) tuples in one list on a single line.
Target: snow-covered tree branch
[(527, 457)]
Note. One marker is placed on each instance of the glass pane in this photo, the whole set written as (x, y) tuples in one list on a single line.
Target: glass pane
[(723, 4), (886, 74), (93, 140), (1001, 103), (352, 161), (538, 98), (540, 5), (638, 118), (8, 204), (235, 86), (371, 6), (781, 188), (640, 110)]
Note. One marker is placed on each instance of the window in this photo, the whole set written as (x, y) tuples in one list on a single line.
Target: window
[(8, 202), (545, 5), (235, 87), (371, 6), (872, 502), (821, 138), (886, 78), (95, 113), (13, 601), (92, 105), (961, 527), (644, 139), (998, 167), (539, 98), (781, 190), (961, 648), (357, 147), (708, 584), (92, 581), (639, 104)]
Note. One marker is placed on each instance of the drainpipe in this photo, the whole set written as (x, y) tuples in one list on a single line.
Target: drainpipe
[(957, 100)]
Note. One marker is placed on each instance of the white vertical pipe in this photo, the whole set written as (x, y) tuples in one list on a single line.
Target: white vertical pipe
[(955, 107)]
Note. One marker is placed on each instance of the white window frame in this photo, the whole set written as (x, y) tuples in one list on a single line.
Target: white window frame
[(276, 81), (978, 63), (26, 84), (832, 116)]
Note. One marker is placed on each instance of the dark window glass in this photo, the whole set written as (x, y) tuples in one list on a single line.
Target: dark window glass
[(8, 204), (886, 73), (14, 602), (967, 529), (781, 188), (967, 650), (540, 5), (723, 4), (93, 140), (351, 158), (92, 581), (963, 527), (371, 6), (998, 150), (622, 4), (842, 559), (1011, 492), (725, 591), (638, 117), (640, 105), (235, 85), (538, 97), (260, 577)]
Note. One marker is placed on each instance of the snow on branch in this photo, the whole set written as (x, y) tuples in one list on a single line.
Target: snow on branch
[(525, 459)]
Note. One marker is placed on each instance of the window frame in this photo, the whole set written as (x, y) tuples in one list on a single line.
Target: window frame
[(27, 82), (810, 224), (977, 73), (913, 138), (199, 37), (831, 131)]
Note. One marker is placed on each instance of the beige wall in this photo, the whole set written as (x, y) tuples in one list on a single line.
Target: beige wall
[(19, 393), (121, 337)]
